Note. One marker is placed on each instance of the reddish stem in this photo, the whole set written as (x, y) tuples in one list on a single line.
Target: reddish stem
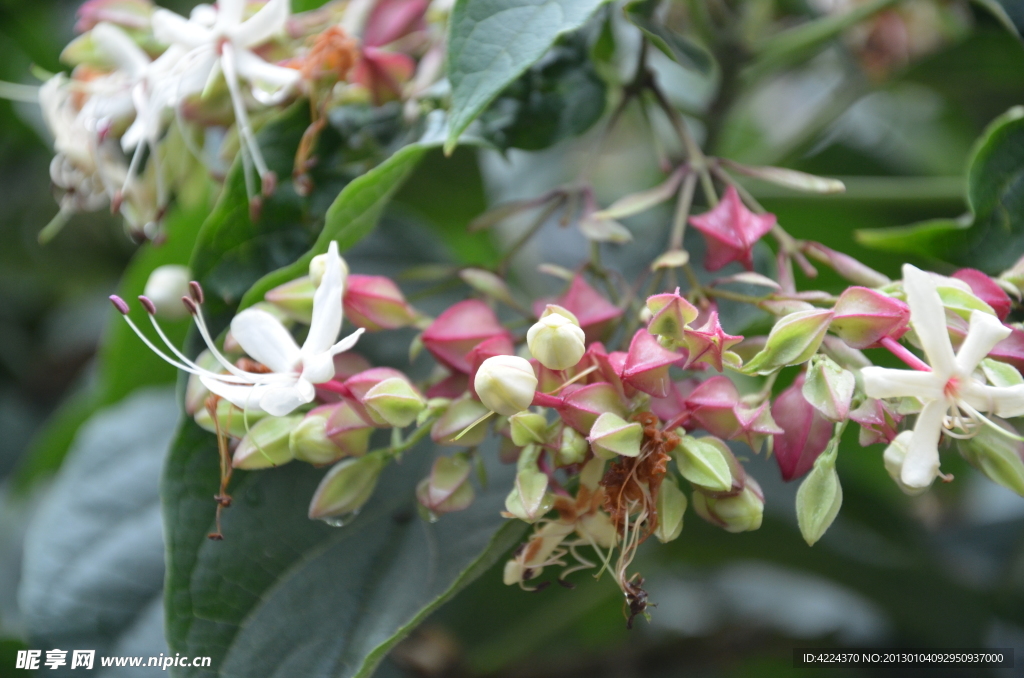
[(546, 400), (335, 387), (901, 352)]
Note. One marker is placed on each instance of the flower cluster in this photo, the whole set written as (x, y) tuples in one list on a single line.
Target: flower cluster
[(605, 406), (621, 403), (148, 84)]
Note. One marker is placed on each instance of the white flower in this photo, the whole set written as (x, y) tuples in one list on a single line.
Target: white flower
[(953, 399), (293, 371), (216, 40)]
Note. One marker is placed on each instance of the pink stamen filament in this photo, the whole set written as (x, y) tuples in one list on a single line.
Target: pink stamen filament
[(901, 352)]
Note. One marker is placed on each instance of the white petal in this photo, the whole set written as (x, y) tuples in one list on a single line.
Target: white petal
[(173, 29), (113, 42), (326, 322), (347, 343), (318, 368), (134, 135), (229, 13), (242, 397), (255, 69), (200, 65), (928, 318), (921, 466), (266, 340), (1003, 401), (269, 21), (984, 333), (882, 382), (283, 400)]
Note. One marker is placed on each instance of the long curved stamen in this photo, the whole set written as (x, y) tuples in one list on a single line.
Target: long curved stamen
[(133, 166), (197, 314), (196, 369), (227, 60), (981, 418)]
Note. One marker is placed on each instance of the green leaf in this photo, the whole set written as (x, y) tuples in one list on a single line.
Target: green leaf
[(991, 236), (98, 522), (1009, 12), (493, 42), (233, 252), (352, 215), (559, 97), (282, 595)]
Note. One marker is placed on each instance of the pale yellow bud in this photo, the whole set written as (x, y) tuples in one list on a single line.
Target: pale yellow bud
[(318, 265), (556, 340), (506, 384)]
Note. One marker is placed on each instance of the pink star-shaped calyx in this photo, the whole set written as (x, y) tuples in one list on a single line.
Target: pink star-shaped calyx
[(708, 341), (731, 230)]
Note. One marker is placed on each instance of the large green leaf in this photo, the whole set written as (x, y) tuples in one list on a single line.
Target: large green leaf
[(351, 216), (285, 596), (1009, 12), (93, 567), (559, 97), (234, 250), (358, 208), (492, 42), (991, 236)]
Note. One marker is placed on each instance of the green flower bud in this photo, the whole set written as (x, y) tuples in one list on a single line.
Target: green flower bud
[(572, 448), (267, 443), (611, 435), (741, 512), (447, 488), (671, 506), (793, 340), (829, 388), (454, 421), (528, 427), (294, 298), (819, 497), (529, 499), (346, 487), (556, 340), (1001, 374), (309, 441), (231, 420), (705, 462), (395, 401), (506, 384), (999, 457), (961, 301), (348, 430)]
